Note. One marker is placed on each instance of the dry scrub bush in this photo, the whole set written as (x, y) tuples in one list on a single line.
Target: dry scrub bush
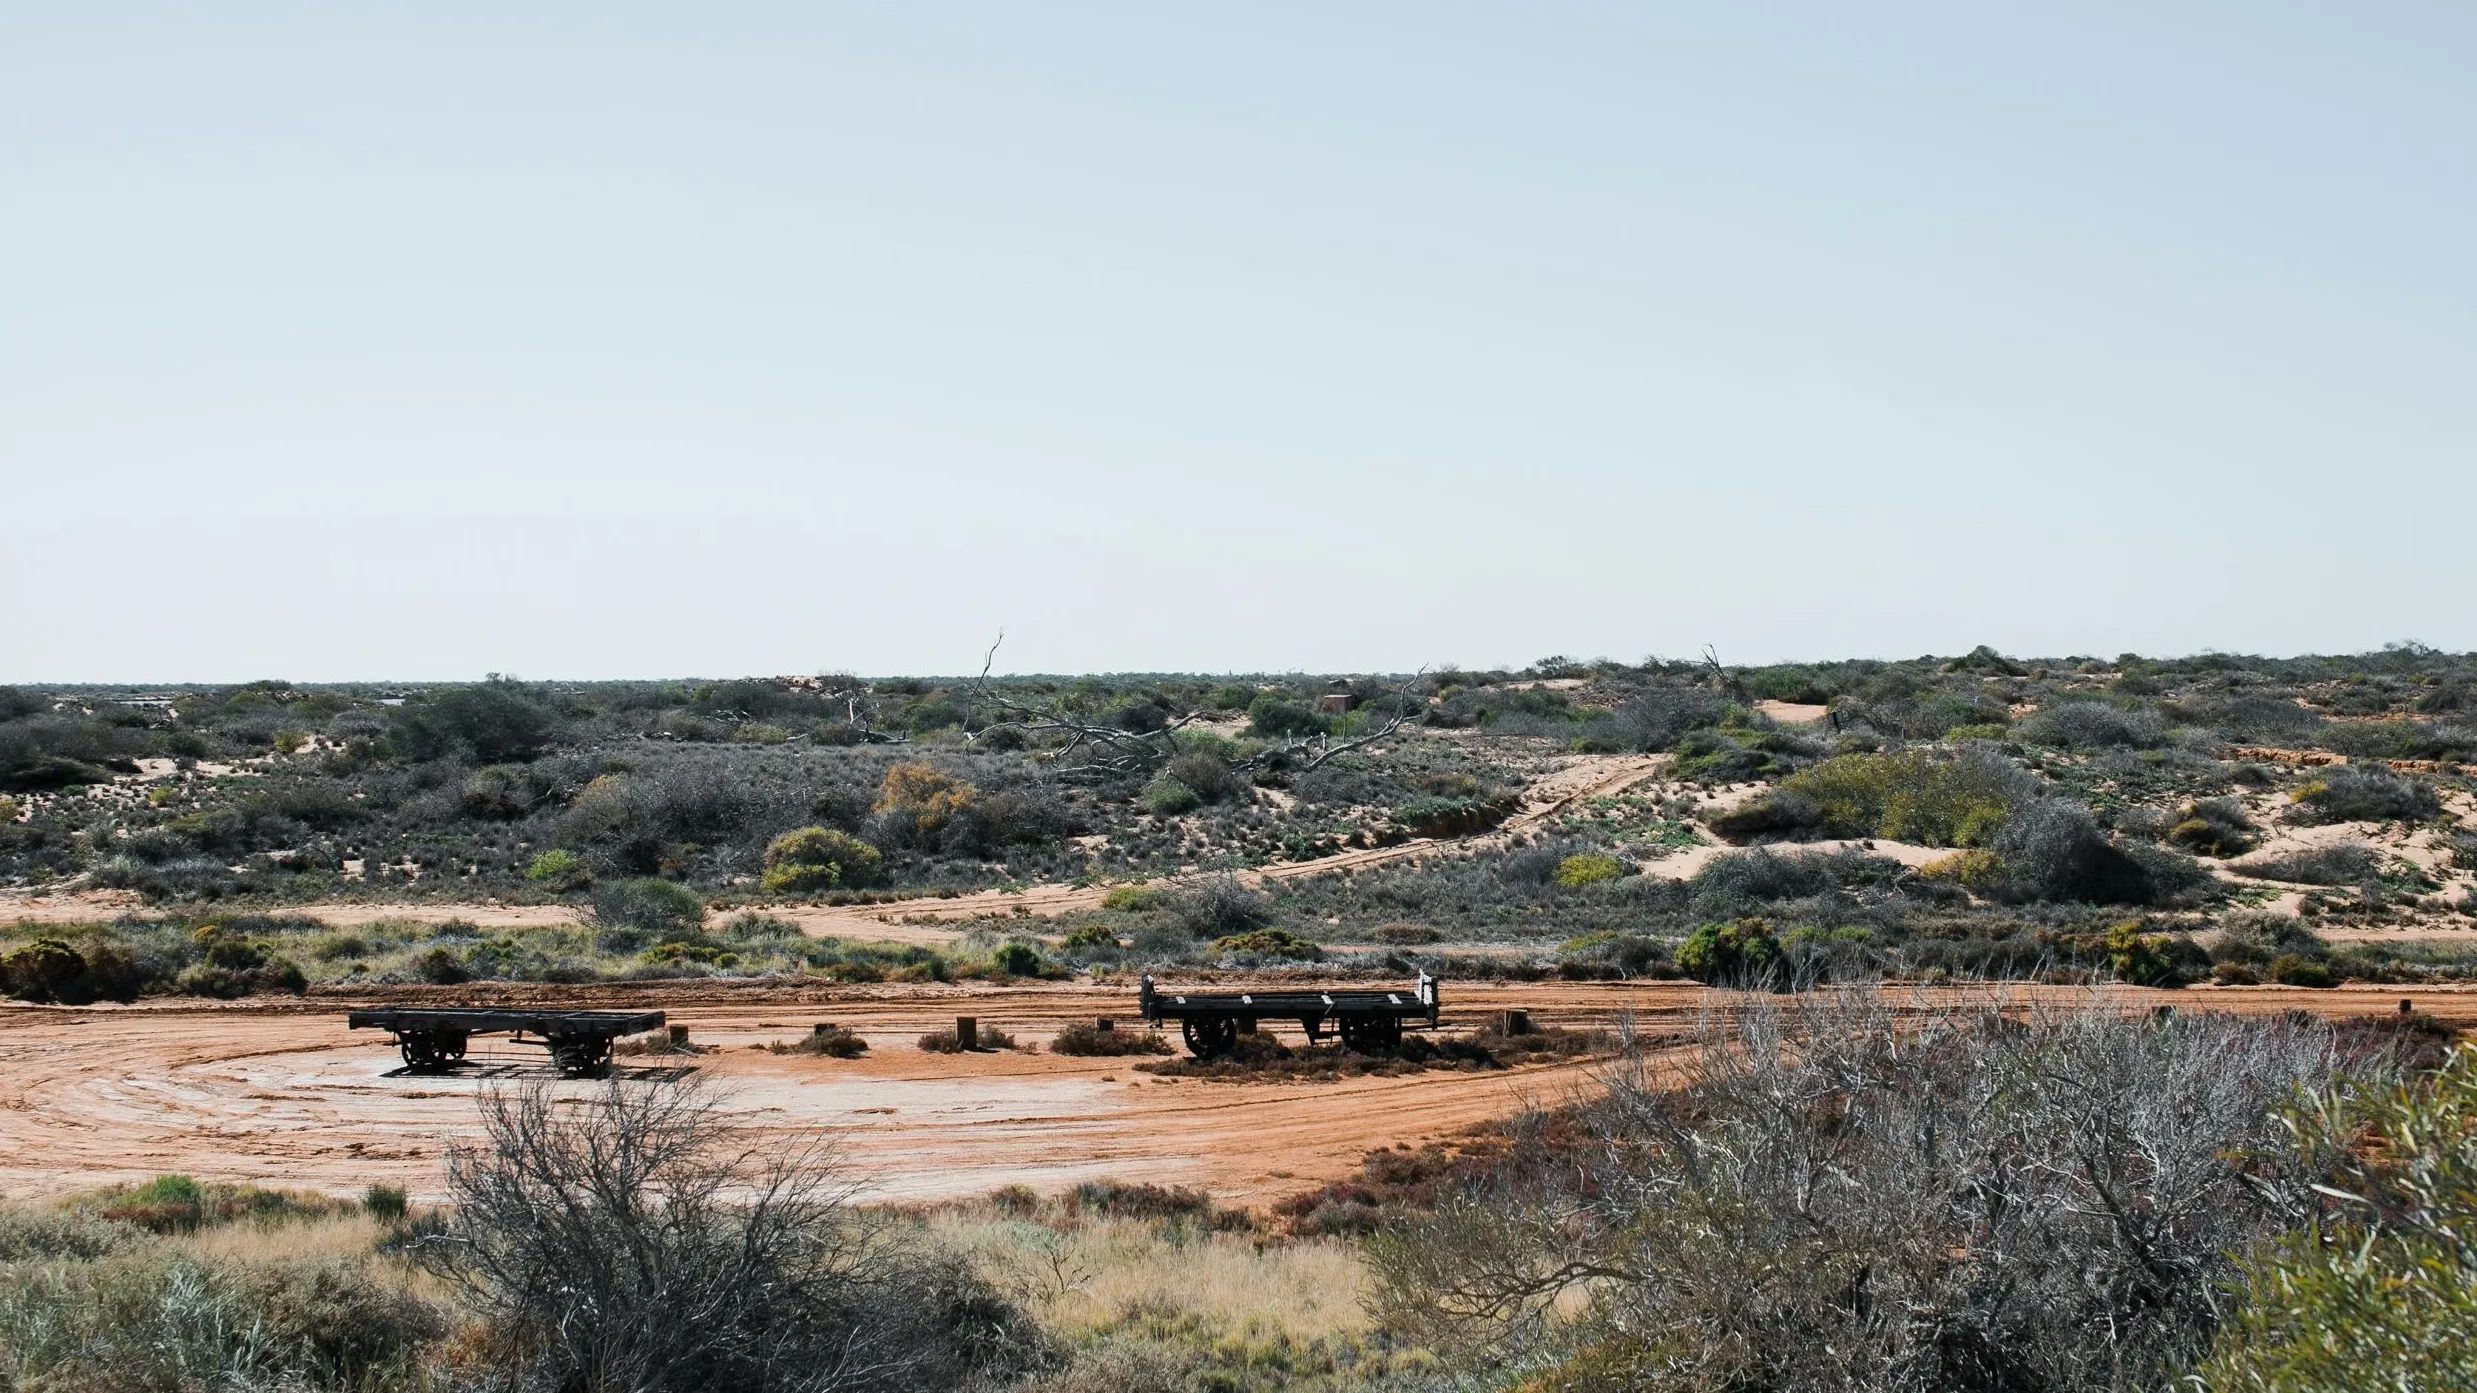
[(1085, 1039), (1861, 1192), (634, 1242)]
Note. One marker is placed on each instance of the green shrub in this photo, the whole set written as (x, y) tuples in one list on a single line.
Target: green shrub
[(1167, 797), (1773, 816), (2380, 1291), (498, 722), (1017, 960), (1588, 868), (2138, 958), (679, 951), (819, 858), (1133, 899), (238, 965), (653, 905), (2289, 970), (441, 966), (1278, 714), (385, 1203), (1740, 953), (1207, 775), (1089, 938), (1269, 943), (1923, 796), (559, 868)]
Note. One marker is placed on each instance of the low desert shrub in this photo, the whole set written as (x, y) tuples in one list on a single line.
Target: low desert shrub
[(2091, 725), (985, 1038), (53, 970), (916, 802), (648, 904), (1741, 953), (1168, 797), (1278, 714), (2290, 970), (1930, 797), (234, 964), (2213, 827), (2357, 793), (2329, 865), (1218, 907), (158, 1318), (1587, 868), (1778, 815), (810, 859), (1134, 899), (1086, 1038), (557, 866), (1017, 960), (1269, 943), (832, 1041)]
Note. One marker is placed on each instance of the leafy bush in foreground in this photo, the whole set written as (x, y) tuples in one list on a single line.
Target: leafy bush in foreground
[(2381, 1290)]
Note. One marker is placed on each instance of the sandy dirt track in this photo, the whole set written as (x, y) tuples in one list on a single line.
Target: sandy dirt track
[(285, 1095)]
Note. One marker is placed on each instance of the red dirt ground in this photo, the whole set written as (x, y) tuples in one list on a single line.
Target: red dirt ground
[(280, 1093)]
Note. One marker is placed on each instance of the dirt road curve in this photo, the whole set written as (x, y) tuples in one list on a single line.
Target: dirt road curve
[(285, 1095)]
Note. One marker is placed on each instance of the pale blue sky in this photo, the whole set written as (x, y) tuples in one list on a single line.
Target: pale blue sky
[(427, 340)]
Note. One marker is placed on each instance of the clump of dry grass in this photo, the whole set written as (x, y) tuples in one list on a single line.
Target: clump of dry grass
[(987, 1038), (833, 1041), (1147, 1286), (1090, 1040)]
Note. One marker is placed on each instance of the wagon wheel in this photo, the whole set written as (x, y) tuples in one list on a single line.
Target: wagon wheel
[(1371, 1035), (1211, 1037), (581, 1058), (450, 1046), (423, 1051)]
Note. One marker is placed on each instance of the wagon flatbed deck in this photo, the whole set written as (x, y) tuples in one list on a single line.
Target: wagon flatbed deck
[(432, 1039), (1370, 1021)]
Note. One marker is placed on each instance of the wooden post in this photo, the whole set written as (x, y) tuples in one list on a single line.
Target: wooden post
[(967, 1033), (679, 1036), (2407, 1007), (1513, 1023)]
